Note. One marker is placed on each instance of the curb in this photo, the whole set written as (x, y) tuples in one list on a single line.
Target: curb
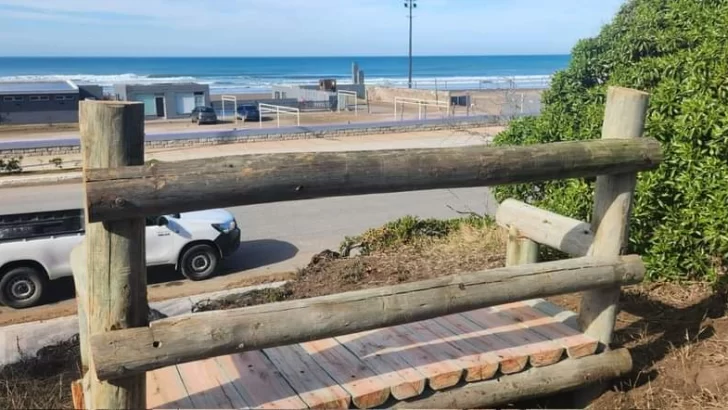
[(49, 179), (24, 340)]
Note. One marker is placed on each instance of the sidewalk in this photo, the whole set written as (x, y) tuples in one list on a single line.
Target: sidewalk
[(423, 139)]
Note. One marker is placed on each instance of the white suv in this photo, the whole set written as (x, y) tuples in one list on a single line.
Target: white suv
[(36, 247)]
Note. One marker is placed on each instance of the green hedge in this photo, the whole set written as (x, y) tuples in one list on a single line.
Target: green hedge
[(677, 50)]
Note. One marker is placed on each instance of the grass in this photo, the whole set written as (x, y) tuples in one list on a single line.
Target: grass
[(42, 382)]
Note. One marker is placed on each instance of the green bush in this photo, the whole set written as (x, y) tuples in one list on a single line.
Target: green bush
[(677, 51), (408, 230)]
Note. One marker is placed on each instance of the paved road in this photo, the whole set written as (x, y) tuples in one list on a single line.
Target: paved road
[(283, 236), (64, 139)]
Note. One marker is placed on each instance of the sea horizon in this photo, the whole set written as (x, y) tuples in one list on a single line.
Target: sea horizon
[(259, 74)]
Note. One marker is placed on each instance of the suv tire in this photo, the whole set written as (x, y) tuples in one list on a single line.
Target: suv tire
[(199, 262), (22, 287)]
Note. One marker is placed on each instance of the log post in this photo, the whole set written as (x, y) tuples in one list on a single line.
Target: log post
[(115, 293), (520, 250), (624, 118)]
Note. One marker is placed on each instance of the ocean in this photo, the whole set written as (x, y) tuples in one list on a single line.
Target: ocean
[(258, 74)]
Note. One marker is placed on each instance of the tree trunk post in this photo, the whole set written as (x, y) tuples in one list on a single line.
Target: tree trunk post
[(115, 294), (625, 115), (520, 250), (624, 118)]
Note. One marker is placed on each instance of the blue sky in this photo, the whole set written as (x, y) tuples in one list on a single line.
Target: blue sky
[(295, 27)]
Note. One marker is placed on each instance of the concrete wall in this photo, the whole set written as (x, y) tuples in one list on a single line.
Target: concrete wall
[(90, 91), (387, 94), (40, 117), (360, 89), (60, 108), (132, 92)]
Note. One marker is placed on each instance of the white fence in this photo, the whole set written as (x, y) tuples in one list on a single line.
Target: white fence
[(421, 106), (234, 100), (278, 110), (343, 98)]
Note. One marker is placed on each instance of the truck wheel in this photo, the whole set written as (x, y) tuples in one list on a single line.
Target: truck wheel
[(22, 287), (199, 262)]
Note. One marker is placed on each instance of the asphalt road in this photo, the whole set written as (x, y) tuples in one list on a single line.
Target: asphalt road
[(283, 236)]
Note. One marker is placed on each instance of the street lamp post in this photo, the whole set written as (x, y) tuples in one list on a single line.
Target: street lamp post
[(410, 5)]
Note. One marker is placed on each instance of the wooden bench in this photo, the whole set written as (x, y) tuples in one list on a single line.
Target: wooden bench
[(461, 340)]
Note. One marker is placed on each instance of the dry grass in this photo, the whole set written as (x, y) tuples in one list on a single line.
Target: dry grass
[(42, 382)]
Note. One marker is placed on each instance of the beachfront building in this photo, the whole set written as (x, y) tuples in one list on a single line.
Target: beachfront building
[(168, 100), (43, 102)]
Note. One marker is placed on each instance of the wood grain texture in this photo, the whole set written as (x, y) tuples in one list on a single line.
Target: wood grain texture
[(160, 188), (207, 387), (112, 135), (574, 342), (166, 390), (258, 382), (540, 350), (624, 119), (510, 359), (208, 334), (405, 381), (314, 386), (568, 235), (433, 363), (533, 383), (477, 365), (367, 389)]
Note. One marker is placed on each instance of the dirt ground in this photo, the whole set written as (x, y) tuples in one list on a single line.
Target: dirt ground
[(678, 334)]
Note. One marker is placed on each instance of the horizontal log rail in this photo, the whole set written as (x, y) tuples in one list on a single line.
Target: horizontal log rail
[(163, 188), (202, 335), (559, 232)]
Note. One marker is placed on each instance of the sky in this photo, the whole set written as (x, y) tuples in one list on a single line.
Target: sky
[(296, 27)]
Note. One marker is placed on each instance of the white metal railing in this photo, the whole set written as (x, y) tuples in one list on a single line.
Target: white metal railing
[(420, 104), (234, 100), (277, 110), (347, 95)]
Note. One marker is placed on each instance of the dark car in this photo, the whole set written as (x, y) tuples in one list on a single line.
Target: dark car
[(248, 112), (203, 115)]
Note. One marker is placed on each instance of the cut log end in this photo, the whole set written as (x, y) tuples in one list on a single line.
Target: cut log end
[(546, 358), (408, 390), (445, 380), (512, 365), (371, 400)]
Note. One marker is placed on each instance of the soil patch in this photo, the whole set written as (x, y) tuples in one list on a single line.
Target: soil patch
[(678, 334)]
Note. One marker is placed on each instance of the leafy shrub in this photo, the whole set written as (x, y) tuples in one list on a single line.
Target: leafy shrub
[(408, 230), (11, 166), (675, 50)]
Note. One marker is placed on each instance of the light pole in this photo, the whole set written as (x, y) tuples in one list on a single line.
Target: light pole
[(410, 5)]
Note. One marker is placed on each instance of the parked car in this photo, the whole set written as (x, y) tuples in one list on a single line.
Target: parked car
[(35, 248), (203, 115), (248, 112)]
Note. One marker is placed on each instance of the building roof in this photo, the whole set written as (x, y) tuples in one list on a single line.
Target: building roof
[(36, 87)]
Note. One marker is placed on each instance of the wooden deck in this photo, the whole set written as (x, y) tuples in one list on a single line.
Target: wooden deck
[(372, 368)]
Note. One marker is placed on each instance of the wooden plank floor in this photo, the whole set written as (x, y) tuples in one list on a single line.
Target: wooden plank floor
[(369, 369)]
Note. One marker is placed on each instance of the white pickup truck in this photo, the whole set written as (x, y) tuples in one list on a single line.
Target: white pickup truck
[(36, 248)]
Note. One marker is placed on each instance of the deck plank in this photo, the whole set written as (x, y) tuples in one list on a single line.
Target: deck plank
[(511, 360), (478, 364), (575, 343), (314, 386), (541, 351), (433, 363), (258, 382), (405, 381), (166, 390), (367, 389), (204, 383)]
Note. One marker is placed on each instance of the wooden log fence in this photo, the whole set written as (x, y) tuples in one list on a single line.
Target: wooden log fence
[(119, 346)]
